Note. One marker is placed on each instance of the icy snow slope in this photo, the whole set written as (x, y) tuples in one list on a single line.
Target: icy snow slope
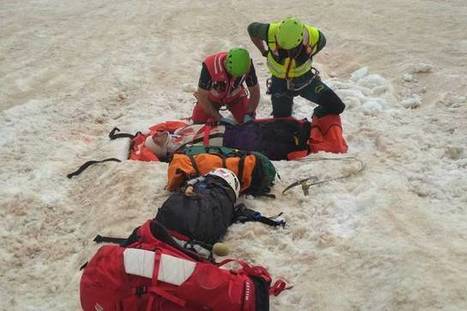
[(392, 238)]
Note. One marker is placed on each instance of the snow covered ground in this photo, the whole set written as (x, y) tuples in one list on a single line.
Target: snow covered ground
[(391, 238)]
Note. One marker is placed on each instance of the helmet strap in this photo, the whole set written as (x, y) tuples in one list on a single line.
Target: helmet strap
[(277, 43), (306, 38)]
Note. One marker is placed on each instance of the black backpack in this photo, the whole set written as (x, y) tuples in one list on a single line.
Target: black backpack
[(206, 216)]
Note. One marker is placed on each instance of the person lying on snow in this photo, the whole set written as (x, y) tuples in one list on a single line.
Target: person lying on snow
[(202, 211), (221, 83), (278, 139), (290, 47)]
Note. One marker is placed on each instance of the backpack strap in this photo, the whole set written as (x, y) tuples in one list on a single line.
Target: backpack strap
[(194, 164), (106, 239), (241, 166), (206, 131), (120, 241), (224, 164), (244, 214), (158, 231), (83, 167), (114, 135), (199, 140)]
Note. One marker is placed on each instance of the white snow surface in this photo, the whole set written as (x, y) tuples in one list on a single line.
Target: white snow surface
[(391, 238)]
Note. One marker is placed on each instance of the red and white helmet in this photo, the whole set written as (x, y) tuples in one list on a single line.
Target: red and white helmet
[(229, 177)]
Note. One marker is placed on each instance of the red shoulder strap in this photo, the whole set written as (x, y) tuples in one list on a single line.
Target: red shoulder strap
[(207, 130)]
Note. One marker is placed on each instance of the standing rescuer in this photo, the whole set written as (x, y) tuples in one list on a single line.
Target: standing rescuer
[(290, 46), (221, 83)]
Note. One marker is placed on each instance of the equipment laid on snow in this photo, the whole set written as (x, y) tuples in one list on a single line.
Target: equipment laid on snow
[(150, 271), (277, 139), (202, 215), (205, 212), (255, 172), (306, 183)]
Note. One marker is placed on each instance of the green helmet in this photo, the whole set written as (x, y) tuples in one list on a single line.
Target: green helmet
[(238, 62), (290, 33)]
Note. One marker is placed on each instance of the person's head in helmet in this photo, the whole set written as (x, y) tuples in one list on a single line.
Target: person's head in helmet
[(290, 33), (238, 62), (159, 144), (229, 177)]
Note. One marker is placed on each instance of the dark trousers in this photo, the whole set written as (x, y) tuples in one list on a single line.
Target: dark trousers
[(317, 92)]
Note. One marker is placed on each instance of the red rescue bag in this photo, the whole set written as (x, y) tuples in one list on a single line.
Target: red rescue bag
[(326, 135), (150, 271)]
